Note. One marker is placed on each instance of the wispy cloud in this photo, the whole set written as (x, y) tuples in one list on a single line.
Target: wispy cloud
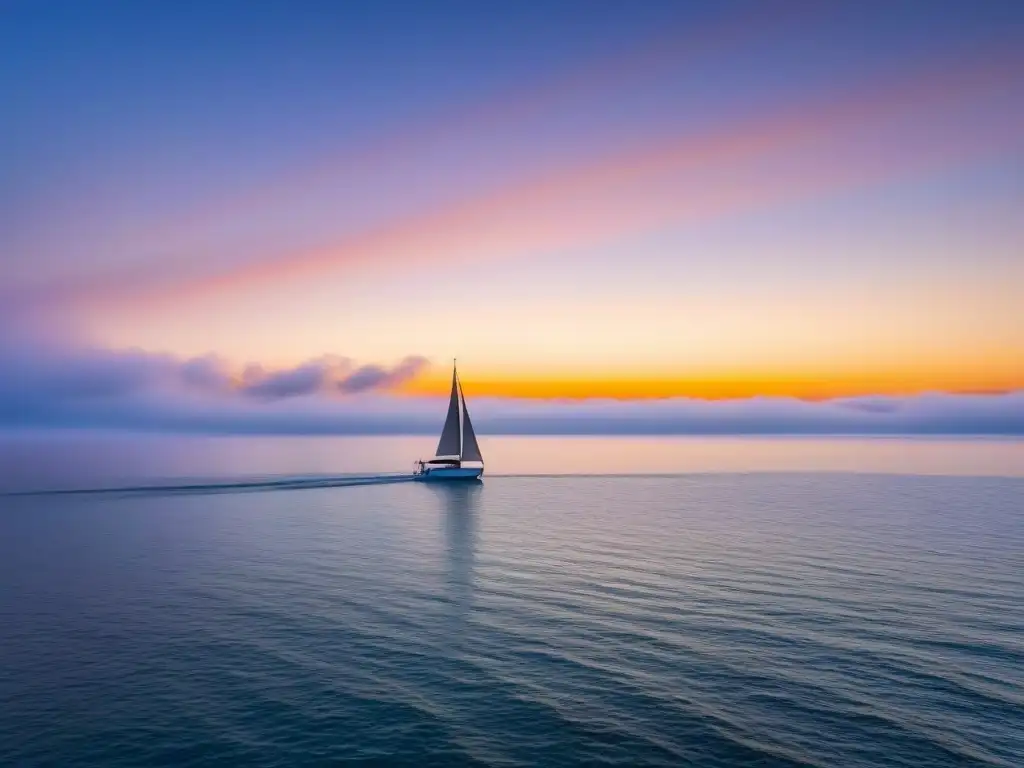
[(375, 377), (327, 375), (306, 379)]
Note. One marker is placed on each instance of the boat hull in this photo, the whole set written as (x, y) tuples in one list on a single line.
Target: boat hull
[(449, 474)]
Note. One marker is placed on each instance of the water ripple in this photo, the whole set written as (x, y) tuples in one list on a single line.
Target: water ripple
[(768, 620)]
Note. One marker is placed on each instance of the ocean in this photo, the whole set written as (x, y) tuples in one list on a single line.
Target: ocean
[(595, 601)]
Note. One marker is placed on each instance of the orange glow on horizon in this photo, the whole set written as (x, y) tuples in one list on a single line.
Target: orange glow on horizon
[(721, 388)]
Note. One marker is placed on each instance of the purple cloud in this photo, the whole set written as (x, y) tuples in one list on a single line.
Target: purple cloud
[(311, 377), (47, 384), (209, 373), (371, 377)]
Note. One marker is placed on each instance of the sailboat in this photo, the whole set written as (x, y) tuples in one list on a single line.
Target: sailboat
[(458, 454)]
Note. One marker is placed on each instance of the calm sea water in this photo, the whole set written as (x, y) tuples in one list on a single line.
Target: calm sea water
[(808, 602)]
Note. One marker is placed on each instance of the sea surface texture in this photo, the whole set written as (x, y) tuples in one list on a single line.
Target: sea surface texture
[(711, 618)]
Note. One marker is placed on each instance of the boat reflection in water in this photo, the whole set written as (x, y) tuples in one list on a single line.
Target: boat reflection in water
[(458, 454), (457, 504)]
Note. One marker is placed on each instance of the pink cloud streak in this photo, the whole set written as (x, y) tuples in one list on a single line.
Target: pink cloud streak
[(693, 178)]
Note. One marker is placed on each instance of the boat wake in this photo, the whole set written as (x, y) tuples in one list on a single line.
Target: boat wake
[(232, 486)]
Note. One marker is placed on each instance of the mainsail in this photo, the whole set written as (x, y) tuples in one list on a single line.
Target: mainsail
[(458, 440), (450, 443)]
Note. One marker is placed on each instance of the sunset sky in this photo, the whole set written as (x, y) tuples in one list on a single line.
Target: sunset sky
[(679, 201)]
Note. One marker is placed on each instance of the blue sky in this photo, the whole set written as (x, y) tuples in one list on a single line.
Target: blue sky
[(689, 203)]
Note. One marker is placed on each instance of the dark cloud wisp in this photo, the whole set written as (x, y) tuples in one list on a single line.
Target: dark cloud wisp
[(375, 377)]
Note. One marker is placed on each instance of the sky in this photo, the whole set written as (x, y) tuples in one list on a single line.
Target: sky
[(655, 217)]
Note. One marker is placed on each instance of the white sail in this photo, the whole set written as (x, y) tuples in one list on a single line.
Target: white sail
[(470, 447), (450, 443)]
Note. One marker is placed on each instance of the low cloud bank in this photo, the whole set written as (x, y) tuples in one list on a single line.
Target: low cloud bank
[(934, 413), (47, 387), (41, 375)]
